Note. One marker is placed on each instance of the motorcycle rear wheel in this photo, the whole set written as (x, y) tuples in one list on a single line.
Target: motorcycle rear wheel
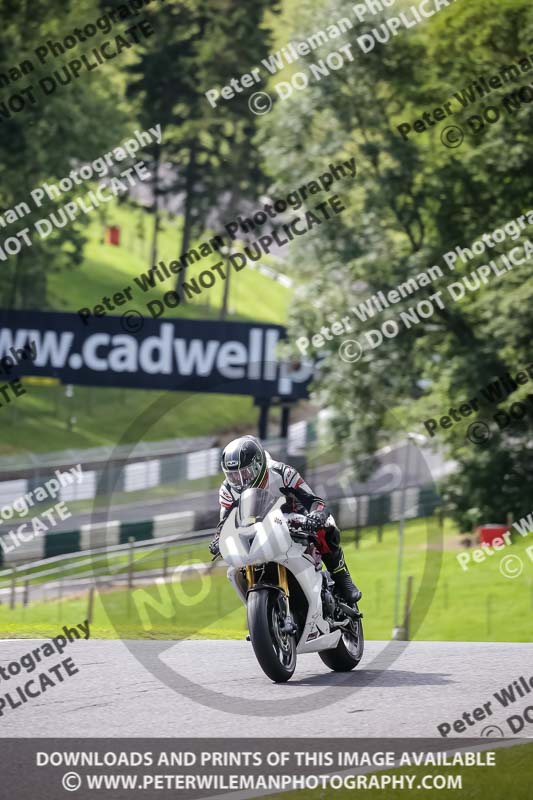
[(275, 650), (349, 651)]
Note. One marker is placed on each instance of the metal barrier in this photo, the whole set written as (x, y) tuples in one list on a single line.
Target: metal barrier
[(107, 472), (81, 571)]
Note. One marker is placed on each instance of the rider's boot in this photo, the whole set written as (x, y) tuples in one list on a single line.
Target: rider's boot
[(336, 566)]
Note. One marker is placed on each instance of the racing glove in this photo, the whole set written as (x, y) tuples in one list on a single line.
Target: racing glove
[(213, 545), (317, 518)]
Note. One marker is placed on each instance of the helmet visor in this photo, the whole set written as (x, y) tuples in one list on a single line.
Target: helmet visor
[(242, 478)]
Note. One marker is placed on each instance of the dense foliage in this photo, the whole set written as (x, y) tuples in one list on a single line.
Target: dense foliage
[(412, 202)]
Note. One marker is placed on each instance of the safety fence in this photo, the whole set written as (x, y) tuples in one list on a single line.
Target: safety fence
[(350, 513), (108, 567), (107, 472)]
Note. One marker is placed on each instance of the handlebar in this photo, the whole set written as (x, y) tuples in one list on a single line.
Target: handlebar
[(301, 522), (296, 520), (301, 526)]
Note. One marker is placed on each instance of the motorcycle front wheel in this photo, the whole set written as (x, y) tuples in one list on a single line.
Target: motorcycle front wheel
[(274, 649)]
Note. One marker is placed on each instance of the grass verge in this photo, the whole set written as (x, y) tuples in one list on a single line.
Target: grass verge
[(512, 774), (451, 605)]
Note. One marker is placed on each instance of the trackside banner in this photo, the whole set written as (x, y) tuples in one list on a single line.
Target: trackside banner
[(176, 354)]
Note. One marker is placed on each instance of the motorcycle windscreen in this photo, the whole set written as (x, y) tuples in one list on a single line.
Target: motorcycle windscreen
[(254, 505)]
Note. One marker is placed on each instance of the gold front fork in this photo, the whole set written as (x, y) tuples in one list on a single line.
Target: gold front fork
[(250, 577), (283, 581), (282, 578)]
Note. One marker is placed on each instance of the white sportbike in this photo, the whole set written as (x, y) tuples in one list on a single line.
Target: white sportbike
[(292, 607)]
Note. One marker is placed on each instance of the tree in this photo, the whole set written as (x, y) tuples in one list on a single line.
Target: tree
[(41, 143), (411, 203), (194, 49)]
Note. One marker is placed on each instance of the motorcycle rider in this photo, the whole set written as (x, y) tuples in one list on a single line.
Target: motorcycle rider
[(247, 464)]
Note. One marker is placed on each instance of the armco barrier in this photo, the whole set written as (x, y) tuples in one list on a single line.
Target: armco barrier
[(100, 534), (350, 512), (106, 565), (103, 534), (55, 544), (136, 530), (168, 524), (137, 476)]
